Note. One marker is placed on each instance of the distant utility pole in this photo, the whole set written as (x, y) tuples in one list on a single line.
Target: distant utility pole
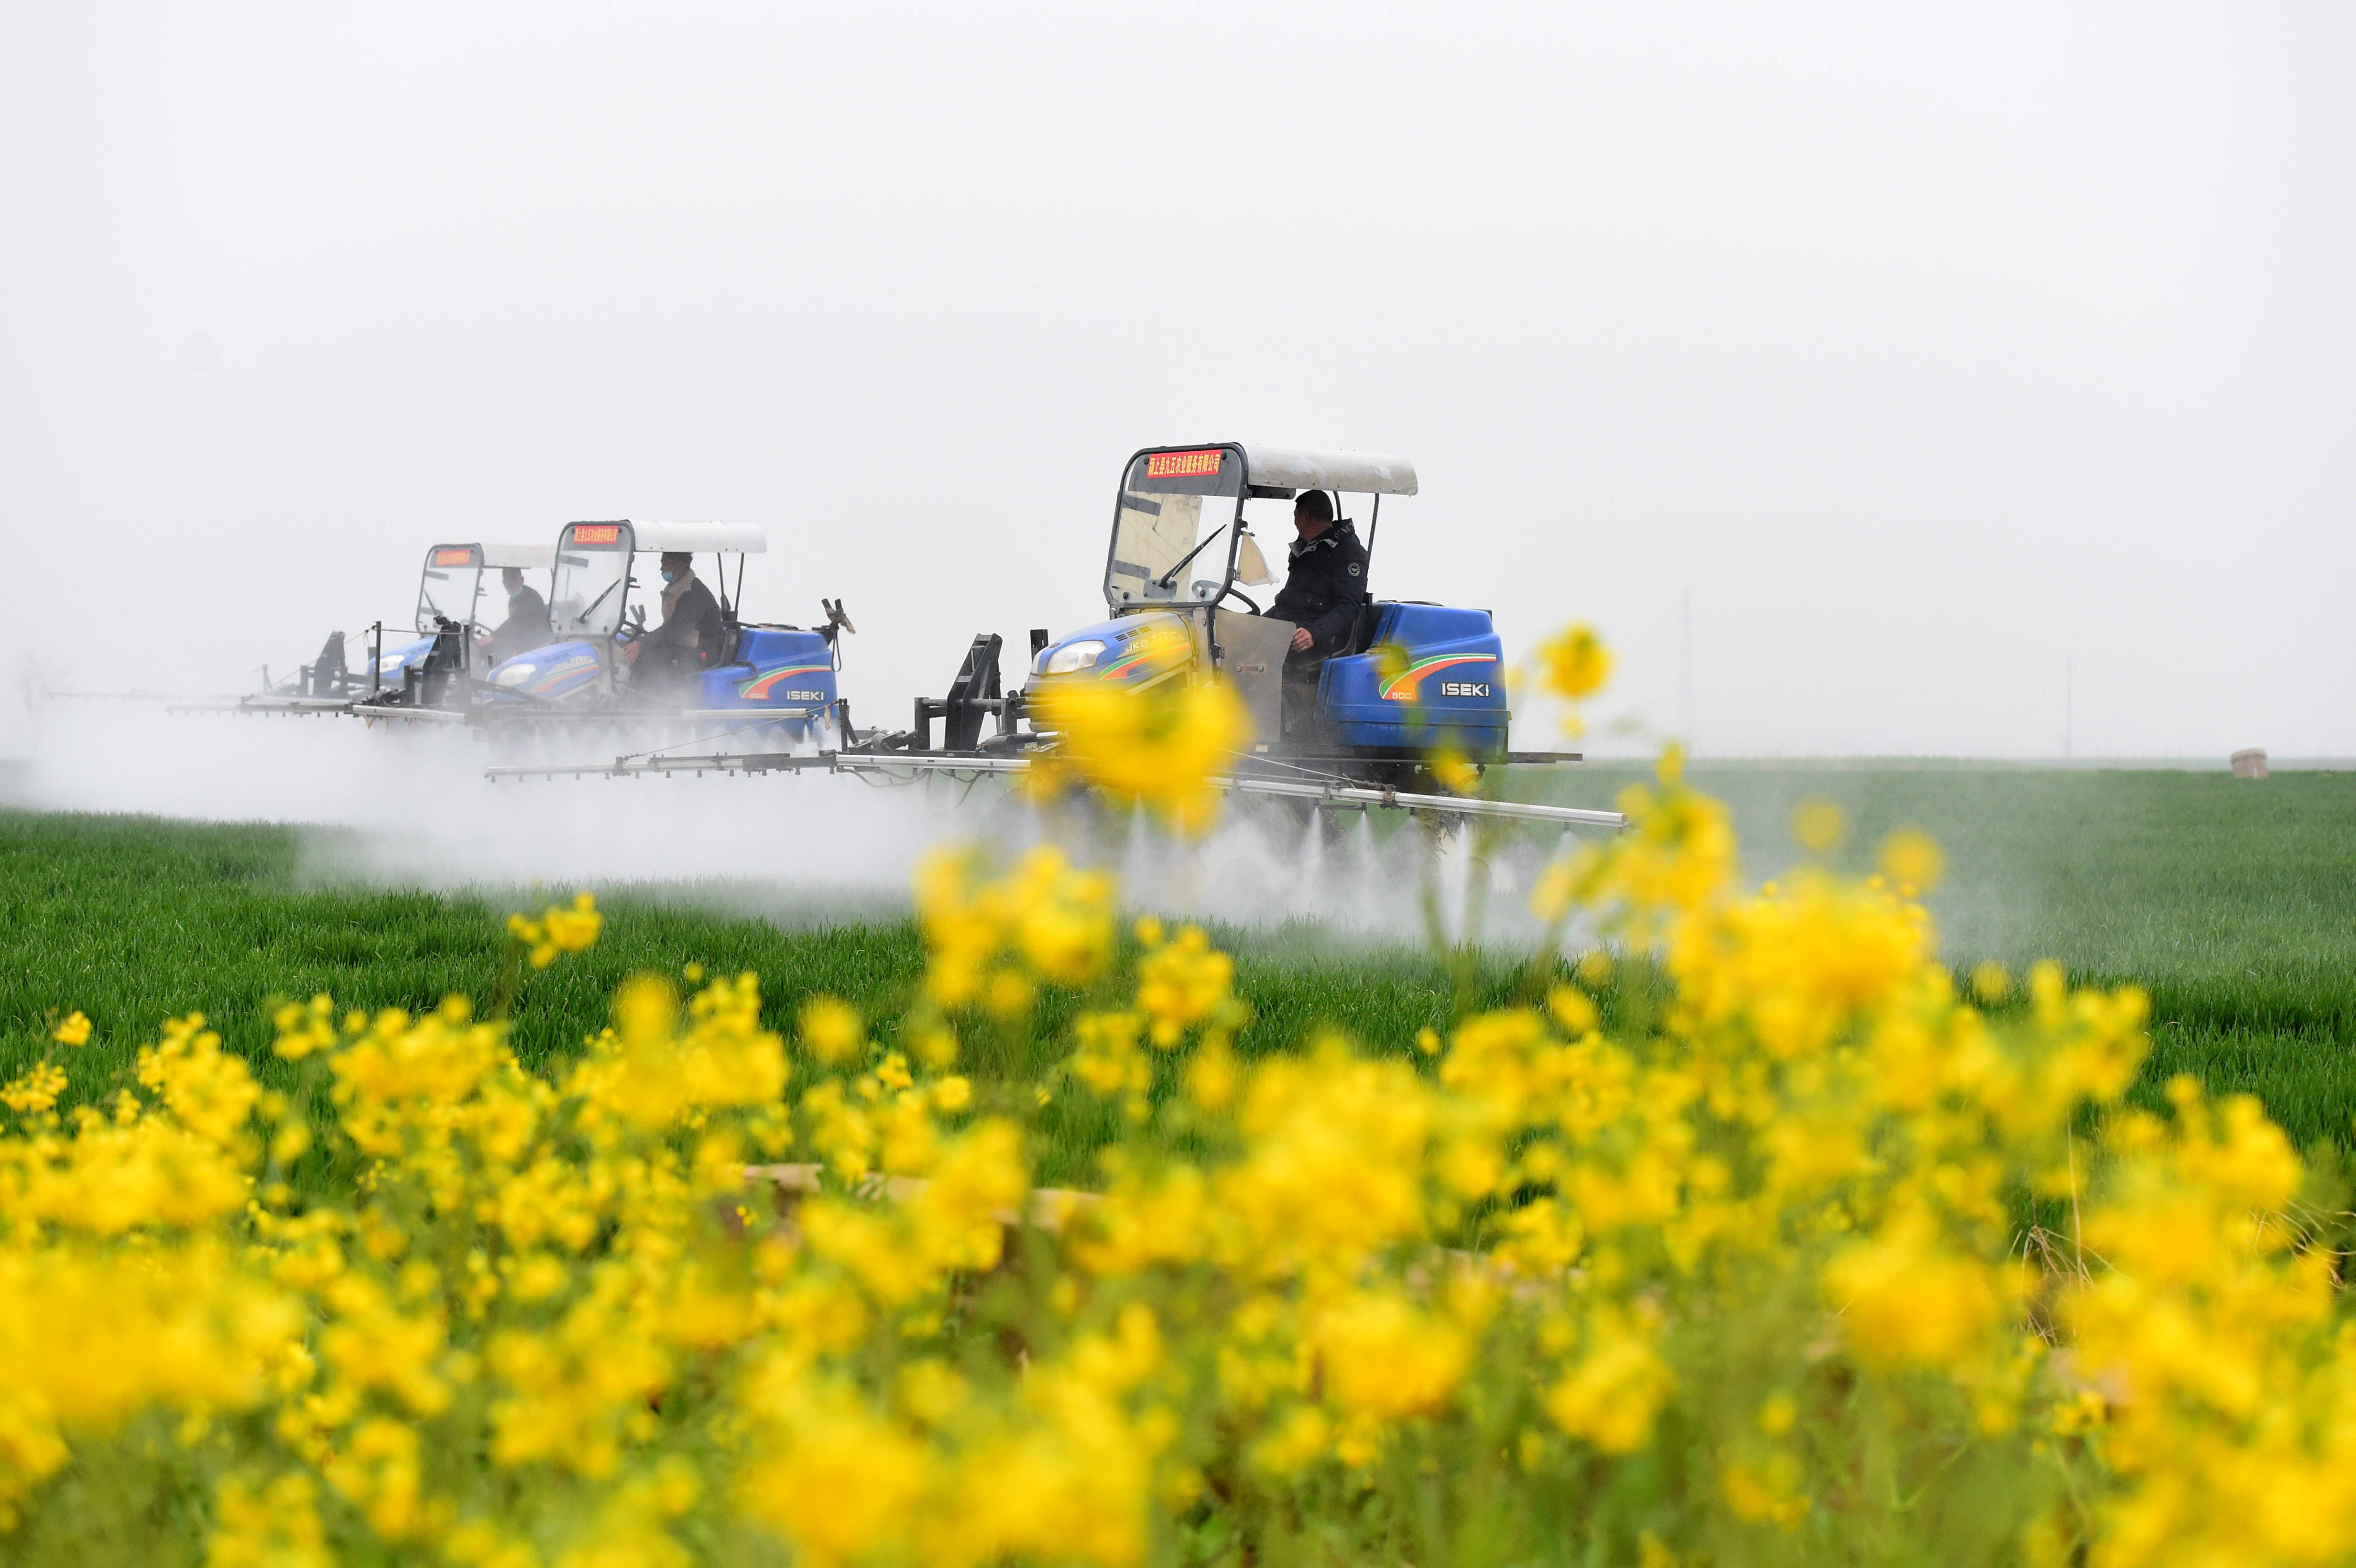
[(2069, 707), (1685, 674)]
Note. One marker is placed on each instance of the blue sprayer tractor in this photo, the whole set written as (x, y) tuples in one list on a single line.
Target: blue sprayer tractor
[(458, 592), (460, 596), (1408, 679), (777, 678)]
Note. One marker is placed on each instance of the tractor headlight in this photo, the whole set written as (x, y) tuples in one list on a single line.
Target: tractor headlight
[(514, 674), (1070, 657)]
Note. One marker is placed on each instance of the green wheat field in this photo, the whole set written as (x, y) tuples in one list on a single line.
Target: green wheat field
[(2232, 902)]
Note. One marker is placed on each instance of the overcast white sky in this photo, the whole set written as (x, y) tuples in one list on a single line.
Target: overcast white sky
[(1930, 350)]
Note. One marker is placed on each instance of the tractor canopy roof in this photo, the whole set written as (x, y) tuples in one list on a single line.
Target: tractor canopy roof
[(593, 578), (1299, 468), (456, 578), (694, 539), (1180, 534), (491, 557)]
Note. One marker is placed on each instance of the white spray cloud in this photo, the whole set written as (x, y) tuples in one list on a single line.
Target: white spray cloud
[(410, 804)]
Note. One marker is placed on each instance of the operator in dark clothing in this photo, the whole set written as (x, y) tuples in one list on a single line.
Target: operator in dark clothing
[(690, 636), (526, 627), (1323, 591)]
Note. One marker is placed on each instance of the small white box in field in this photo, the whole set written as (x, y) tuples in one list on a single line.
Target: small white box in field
[(2250, 763)]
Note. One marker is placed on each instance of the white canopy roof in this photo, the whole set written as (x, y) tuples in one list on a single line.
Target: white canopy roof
[(699, 537), (530, 556), (1360, 472)]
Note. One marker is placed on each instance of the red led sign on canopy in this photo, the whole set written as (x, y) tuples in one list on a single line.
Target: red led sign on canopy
[(462, 556), (596, 533), (1184, 464)]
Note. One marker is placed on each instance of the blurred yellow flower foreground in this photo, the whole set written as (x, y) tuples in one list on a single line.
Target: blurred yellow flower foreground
[(1752, 1241)]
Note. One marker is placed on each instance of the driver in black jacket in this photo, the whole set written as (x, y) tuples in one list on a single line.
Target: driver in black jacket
[(526, 627), (1323, 590), (692, 630)]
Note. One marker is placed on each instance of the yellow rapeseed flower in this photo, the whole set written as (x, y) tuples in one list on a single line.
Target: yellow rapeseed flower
[(1455, 773), (275, 1525), (1913, 860), (1574, 665), (1385, 1357), (1160, 747), (34, 1090), (1610, 1394), (832, 1030), (1990, 983), (1906, 1298), (575, 930), (559, 930), (1819, 825)]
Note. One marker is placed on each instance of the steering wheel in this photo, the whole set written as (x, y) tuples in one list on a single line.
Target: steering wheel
[(1235, 592)]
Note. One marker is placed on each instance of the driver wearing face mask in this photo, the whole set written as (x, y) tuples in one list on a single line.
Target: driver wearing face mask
[(691, 633)]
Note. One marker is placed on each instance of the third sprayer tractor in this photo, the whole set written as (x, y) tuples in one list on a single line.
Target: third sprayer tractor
[(452, 639)]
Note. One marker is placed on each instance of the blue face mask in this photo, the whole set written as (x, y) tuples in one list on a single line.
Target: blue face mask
[(670, 576)]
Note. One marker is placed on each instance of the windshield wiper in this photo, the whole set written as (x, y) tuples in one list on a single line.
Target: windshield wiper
[(583, 618), (1163, 580)]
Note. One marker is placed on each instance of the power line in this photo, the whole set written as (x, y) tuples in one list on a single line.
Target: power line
[(1686, 674), (2069, 707)]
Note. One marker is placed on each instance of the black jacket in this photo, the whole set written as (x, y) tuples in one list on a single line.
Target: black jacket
[(1325, 588), (690, 622), (525, 628)]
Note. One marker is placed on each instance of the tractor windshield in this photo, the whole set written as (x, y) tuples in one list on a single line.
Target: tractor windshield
[(1175, 531), (593, 581), (453, 576)]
